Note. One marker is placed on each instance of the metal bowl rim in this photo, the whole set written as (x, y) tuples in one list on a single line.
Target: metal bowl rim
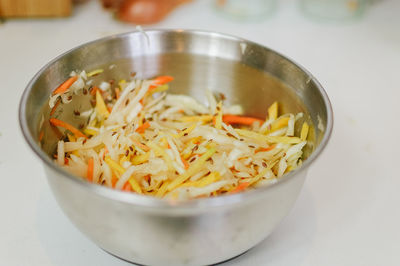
[(153, 202)]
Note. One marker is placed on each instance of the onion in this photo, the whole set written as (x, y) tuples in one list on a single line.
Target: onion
[(146, 11)]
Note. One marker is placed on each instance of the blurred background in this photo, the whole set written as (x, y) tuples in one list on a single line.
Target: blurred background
[(346, 213), (153, 11)]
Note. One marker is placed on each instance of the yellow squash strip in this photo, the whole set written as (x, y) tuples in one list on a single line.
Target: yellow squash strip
[(196, 118), (90, 132), (188, 150), (159, 88), (196, 139), (194, 168), (257, 178), (123, 159), (121, 84), (139, 144), (218, 117), (101, 107), (150, 193), (135, 185), (72, 138), (277, 124), (269, 139), (290, 168), (211, 178), (155, 184), (139, 159), (205, 181), (163, 189), (120, 170), (273, 111), (164, 143), (304, 131), (161, 152), (114, 165), (186, 131), (95, 72), (280, 123), (284, 139), (141, 118), (93, 123)]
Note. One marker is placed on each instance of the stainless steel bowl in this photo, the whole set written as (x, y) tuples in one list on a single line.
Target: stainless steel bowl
[(203, 231)]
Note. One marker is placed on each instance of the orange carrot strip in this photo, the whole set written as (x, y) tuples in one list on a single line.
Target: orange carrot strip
[(89, 175), (117, 93), (185, 163), (244, 120), (65, 85), (266, 149), (93, 91), (56, 131), (147, 178), (75, 131), (41, 134), (161, 80), (127, 186), (105, 152), (114, 180), (143, 127), (141, 145), (53, 110), (241, 187), (109, 109), (66, 161)]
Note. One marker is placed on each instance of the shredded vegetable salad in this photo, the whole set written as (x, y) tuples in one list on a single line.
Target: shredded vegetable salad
[(141, 139)]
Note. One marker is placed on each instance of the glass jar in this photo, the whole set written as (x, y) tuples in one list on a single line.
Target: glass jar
[(337, 10), (245, 9)]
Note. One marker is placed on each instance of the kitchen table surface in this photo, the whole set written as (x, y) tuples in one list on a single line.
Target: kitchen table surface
[(348, 211)]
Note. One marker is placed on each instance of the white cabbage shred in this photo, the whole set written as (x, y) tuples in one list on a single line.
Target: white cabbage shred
[(146, 141)]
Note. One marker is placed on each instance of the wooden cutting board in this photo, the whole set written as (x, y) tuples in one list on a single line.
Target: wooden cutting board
[(35, 8)]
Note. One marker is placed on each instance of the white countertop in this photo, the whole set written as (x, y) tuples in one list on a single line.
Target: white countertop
[(348, 211)]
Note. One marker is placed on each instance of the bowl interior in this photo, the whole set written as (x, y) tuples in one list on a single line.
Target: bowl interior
[(246, 73)]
